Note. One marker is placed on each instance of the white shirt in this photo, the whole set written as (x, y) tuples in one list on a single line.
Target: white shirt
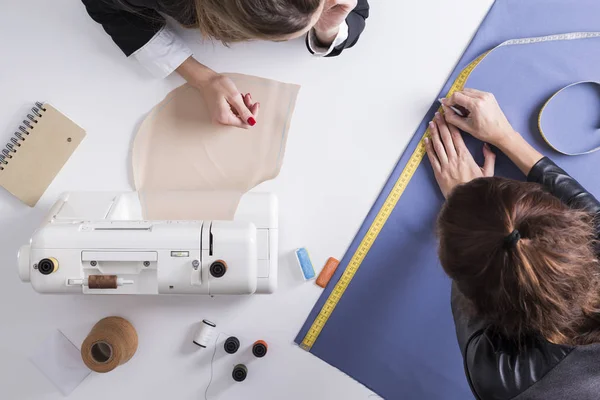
[(166, 50)]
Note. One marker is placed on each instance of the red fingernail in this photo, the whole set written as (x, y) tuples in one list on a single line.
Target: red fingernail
[(251, 121)]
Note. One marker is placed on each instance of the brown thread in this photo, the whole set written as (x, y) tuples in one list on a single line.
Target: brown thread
[(110, 343), (102, 281)]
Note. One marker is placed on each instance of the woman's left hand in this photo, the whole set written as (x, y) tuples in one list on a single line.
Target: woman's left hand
[(334, 13), (452, 162)]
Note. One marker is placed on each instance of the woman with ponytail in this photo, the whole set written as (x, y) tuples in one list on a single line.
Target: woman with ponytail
[(523, 259)]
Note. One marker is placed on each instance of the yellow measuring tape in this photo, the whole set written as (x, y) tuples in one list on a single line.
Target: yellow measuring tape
[(380, 220), (392, 200), (541, 116)]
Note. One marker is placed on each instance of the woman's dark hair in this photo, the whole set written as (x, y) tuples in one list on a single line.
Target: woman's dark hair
[(525, 262), (240, 20)]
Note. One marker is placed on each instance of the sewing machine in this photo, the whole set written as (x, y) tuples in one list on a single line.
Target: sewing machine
[(99, 243)]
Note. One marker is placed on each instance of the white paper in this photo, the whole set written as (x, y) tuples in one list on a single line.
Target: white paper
[(60, 360)]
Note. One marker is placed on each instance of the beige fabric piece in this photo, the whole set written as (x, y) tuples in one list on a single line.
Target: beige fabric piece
[(179, 150)]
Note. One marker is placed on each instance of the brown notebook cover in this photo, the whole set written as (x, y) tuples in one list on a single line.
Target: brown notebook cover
[(37, 153)]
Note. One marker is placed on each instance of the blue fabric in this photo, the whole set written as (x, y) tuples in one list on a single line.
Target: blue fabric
[(393, 329)]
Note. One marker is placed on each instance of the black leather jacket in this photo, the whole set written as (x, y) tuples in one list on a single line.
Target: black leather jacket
[(496, 369)]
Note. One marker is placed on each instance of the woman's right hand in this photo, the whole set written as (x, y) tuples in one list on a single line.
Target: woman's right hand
[(485, 121), (226, 104)]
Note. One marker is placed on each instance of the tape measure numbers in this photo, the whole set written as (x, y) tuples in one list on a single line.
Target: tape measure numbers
[(401, 184)]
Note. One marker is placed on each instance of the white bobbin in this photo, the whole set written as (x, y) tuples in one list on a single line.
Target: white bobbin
[(205, 333)]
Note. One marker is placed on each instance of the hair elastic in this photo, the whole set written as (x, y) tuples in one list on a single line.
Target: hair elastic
[(511, 240)]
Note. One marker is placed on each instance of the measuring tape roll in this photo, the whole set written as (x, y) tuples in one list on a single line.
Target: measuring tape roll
[(541, 119), (402, 183)]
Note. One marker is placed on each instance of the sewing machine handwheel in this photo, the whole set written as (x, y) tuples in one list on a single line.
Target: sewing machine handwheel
[(218, 268), (47, 266)]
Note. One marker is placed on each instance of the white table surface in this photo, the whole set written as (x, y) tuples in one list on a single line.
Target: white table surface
[(355, 115)]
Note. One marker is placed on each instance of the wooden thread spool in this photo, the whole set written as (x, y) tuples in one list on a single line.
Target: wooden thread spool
[(110, 343)]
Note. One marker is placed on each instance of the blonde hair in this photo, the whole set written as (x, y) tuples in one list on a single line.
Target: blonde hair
[(231, 21)]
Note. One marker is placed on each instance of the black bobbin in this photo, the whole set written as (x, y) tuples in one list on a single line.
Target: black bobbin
[(232, 345), (240, 372)]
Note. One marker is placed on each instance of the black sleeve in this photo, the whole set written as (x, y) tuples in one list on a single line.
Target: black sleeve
[(495, 367), (563, 186), (130, 27), (356, 21)]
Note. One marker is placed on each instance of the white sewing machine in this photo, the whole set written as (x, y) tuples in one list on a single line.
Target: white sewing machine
[(99, 243)]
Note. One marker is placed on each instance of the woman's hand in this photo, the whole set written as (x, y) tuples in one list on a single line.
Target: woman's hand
[(485, 121), (452, 162), (334, 13), (227, 106)]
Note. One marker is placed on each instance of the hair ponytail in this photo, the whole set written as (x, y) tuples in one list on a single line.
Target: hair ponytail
[(523, 259)]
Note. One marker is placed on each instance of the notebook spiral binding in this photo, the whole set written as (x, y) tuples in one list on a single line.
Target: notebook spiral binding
[(21, 135)]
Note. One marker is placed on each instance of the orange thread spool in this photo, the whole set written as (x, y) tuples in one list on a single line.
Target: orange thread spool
[(259, 348)]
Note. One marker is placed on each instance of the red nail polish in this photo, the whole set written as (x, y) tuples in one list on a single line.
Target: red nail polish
[(251, 121)]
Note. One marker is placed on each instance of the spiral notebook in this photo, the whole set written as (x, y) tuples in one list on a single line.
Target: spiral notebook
[(37, 152)]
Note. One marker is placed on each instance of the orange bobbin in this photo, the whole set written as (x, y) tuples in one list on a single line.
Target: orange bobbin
[(259, 348)]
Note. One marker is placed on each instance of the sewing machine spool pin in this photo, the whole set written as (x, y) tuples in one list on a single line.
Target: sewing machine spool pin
[(100, 282)]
